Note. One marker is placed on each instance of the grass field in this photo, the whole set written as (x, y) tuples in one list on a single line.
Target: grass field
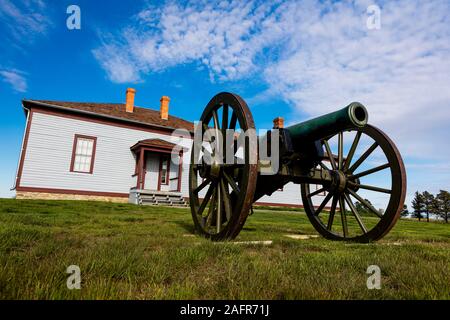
[(131, 252)]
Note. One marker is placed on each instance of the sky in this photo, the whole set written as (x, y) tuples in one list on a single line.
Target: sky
[(295, 59)]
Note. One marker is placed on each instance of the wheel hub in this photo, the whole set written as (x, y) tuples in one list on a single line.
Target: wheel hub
[(215, 170), (339, 183), (342, 181)]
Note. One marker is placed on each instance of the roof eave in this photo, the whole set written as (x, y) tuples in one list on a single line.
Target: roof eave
[(48, 105)]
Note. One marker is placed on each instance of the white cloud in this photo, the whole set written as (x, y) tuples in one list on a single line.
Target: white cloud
[(15, 78), (117, 64), (220, 36), (317, 55), (401, 72), (24, 20)]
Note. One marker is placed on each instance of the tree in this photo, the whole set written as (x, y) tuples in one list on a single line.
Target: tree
[(362, 208), (405, 211), (427, 203), (418, 205), (441, 205), (435, 207)]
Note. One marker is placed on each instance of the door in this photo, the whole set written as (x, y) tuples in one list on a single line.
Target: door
[(164, 172), (151, 171)]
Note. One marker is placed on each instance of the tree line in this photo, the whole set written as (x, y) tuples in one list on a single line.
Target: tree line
[(425, 203)]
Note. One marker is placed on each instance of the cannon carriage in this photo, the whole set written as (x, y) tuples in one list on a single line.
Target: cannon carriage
[(332, 158)]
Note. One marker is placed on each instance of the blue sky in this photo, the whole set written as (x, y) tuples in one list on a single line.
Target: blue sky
[(295, 59)]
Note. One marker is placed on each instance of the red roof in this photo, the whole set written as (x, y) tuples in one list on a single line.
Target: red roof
[(117, 110), (154, 143)]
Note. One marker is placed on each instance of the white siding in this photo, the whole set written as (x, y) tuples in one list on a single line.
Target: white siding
[(166, 187), (49, 153), (152, 174), (291, 194), (173, 177)]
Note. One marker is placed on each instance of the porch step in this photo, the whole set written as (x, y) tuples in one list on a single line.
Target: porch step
[(158, 198)]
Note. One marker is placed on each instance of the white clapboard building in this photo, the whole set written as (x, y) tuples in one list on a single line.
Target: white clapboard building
[(113, 152)]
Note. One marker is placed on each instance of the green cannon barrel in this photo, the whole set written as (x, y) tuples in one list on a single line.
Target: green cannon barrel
[(353, 116)]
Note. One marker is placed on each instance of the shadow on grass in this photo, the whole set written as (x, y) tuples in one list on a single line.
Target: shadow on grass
[(188, 227)]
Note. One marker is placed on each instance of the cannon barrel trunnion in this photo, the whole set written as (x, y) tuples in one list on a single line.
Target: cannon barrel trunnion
[(341, 163)]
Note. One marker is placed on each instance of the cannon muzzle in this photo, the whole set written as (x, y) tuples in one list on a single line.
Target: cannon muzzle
[(351, 117)]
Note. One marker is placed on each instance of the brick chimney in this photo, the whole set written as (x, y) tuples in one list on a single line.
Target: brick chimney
[(129, 105), (278, 123), (164, 108)]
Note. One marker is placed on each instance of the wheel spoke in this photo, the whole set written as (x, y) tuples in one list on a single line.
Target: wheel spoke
[(365, 203), (231, 183), (216, 120), (343, 217), (323, 166), (224, 129), (367, 172), (211, 211), (341, 150), (330, 155), (351, 153), (225, 117), (355, 213), (219, 209), (316, 192), (211, 189), (226, 200), (372, 188), (202, 185), (233, 120), (207, 133), (363, 157), (216, 130), (332, 212), (324, 203)]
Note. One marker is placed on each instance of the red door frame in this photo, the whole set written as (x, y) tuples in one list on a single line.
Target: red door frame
[(161, 160), (141, 166)]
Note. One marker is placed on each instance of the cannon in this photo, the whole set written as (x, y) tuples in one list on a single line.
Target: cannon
[(351, 175)]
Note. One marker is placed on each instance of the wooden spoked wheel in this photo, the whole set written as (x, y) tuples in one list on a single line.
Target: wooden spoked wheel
[(367, 192), (221, 192)]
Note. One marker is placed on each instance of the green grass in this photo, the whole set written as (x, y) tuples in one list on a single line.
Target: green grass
[(132, 252)]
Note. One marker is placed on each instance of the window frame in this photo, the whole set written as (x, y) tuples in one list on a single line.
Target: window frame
[(161, 161), (74, 150)]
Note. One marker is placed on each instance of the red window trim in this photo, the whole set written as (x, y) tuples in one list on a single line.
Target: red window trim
[(160, 171), (180, 171), (74, 149)]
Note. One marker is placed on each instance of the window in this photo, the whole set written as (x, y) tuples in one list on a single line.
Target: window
[(165, 169), (83, 154)]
